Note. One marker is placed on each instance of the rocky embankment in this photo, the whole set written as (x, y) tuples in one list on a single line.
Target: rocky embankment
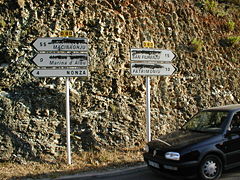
[(108, 107)]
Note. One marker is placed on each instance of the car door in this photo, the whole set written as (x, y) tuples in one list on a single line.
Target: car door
[(232, 143)]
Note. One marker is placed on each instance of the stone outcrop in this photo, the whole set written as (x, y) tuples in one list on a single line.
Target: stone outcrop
[(108, 107)]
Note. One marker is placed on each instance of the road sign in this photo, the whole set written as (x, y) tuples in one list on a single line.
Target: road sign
[(61, 44), (60, 72), (147, 54), (151, 69), (61, 60)]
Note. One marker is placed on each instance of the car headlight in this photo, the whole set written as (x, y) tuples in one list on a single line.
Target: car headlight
[(146, 148), (172, 155)]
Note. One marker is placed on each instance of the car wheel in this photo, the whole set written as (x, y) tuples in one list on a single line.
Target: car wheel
[(210, 168)]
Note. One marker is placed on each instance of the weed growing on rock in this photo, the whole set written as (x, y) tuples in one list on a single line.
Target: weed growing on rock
[(211, 5), (230, 41), (196, 45), (231, 25)]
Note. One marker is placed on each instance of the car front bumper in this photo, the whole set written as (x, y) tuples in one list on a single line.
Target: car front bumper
[(172, 168)]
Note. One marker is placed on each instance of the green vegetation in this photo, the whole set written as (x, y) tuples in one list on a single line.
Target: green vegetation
[(230, 41), (231, 25), (217, 7), (234, 60), (196, 45), (114, 108), (234, 39), (211, 5), (237, 2), (2, 22)]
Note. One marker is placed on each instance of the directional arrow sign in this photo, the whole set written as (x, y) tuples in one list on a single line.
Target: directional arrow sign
[(145, 69), (61, 44), (61, 60), (146, 54), (60, 72)]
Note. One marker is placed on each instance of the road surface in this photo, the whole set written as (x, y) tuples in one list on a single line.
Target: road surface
[(140, 173)]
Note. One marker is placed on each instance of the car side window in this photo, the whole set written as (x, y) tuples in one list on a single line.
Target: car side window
[(236, 121)]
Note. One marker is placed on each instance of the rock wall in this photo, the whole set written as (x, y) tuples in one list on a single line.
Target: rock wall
[(108, 107)]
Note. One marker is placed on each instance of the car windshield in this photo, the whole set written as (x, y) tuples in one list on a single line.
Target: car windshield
[(206, 121)]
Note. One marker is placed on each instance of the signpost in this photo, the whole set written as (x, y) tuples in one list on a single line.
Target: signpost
[(152, 69), (59, 64), (61, 60), (143, 54), (150, 62), (60, 72), (61, 44)]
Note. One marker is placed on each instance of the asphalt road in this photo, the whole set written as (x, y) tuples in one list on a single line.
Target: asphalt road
[(140, 173)]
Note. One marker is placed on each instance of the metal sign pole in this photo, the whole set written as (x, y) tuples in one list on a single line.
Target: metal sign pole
[(68, 122), (148, 44), (148, 110), (68, 131), (69, 158)]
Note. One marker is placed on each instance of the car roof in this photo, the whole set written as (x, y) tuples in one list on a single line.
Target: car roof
[(232, 107)]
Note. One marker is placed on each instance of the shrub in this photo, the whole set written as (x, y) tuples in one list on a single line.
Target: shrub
[(234, 39), (196, 44), (2, 22), (211, 5), (230, 41), (237, 2), (230, 25)]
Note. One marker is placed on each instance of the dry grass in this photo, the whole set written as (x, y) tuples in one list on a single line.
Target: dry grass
[(84, 161)]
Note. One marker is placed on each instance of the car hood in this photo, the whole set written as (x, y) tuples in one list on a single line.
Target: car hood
[(179, 139)]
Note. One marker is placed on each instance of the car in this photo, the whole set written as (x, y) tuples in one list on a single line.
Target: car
[(203, 148)]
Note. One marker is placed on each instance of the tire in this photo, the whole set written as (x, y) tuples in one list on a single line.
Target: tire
[(210, 168)]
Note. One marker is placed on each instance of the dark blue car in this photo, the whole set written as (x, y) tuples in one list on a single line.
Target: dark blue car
[(206, 145)]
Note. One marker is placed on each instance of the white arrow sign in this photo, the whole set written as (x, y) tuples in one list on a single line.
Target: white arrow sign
[(151, 69), (61, 44), (147, 54), (61, 60), (60, 72)]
